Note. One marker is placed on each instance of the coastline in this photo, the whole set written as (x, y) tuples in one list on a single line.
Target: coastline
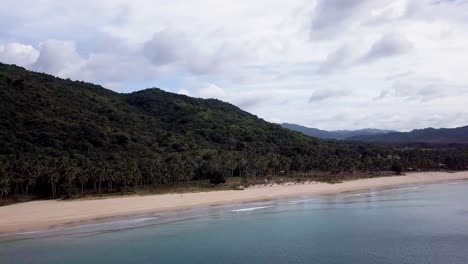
[(43, 215)]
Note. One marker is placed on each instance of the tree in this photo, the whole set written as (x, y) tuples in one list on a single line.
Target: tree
[(397, 167), (53, 177), (68, 172), (83, 178), (217, 178), (4, 182)]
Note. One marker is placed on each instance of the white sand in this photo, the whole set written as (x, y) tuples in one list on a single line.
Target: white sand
[(39, 215)]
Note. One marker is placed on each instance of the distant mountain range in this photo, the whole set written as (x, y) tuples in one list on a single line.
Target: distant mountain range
[(427, 135), (457, 135), (337, 134)]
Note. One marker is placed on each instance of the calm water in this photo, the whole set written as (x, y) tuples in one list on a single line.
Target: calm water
[(411, 224)]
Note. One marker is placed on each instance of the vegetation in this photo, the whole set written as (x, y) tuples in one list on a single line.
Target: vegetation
[(62, 138)]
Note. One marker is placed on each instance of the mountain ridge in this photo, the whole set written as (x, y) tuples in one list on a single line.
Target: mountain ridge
[(426, 135), (336, 134)]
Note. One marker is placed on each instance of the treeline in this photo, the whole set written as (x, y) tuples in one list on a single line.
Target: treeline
[(79, 175)]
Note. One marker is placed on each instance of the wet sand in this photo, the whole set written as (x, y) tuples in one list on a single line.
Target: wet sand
[(40, 215)]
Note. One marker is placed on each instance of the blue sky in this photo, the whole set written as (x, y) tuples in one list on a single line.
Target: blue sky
[(330, 64)]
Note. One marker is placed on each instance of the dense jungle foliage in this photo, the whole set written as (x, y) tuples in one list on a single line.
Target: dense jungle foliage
[(60, 137)]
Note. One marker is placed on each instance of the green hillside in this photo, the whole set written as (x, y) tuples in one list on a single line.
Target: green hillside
[(62, 137)]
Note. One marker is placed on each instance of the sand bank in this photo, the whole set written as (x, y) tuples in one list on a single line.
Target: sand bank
[(39, 215)]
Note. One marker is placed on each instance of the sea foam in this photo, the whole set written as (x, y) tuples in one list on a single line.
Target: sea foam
[(251, 208)]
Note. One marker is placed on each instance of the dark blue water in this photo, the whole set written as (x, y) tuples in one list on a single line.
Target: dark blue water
[(412, 224)]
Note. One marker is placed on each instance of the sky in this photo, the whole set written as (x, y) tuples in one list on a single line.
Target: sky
[(329, 64)]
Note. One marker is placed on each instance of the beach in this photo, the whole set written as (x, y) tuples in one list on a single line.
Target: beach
[(47, 214)]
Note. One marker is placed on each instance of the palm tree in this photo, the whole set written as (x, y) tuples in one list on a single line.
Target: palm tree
[(4, 182), (156, 171), (53, 178), (83, 178), (4, 190)]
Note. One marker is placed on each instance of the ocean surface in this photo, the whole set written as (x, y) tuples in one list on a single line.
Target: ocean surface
[(406, 224)]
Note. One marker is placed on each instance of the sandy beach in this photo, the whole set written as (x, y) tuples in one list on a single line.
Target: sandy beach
[(39, 215)]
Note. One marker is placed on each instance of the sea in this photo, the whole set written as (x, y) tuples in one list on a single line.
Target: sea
[(410, 224)]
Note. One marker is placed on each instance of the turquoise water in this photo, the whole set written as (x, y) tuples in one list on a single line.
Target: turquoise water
[(410, 224)]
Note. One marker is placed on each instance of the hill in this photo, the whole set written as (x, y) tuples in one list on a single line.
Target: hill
[(337, 134), (63, 137), (457, 135)]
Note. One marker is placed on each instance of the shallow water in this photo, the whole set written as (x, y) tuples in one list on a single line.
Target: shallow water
[(410, 224)]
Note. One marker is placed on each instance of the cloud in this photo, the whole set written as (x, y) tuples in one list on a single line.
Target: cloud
[(423, 93), (212, 91), (330, 17), (253, 99), (170, 47), (216, 60), (340, 58), (268, 61), (184, 92), (19, 54), (397, 76), (113, 67), (326, 94), (165, 47), (243, 99), (273, 120), (423, 90), (248, 102), (58, 57), (387, 13), (431, 10), (389, 45)]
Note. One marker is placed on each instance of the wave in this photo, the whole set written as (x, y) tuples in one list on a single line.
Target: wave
[(457, 183), (251, 208), (22, 233), (362, 194), (382, 191), (126, 221), (405, 188), (304, 200)]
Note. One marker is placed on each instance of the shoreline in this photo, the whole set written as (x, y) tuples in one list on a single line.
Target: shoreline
[(43, 215)]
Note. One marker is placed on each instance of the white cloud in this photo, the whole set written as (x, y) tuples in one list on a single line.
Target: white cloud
[(183, 91), (325, 94), (170, 47), (211, 91), (268, 57), (165, 47), (389, 45), (273, 120), (19, 54), (422, 89), (330, 17), (433, 10), (58, 57), (338, 59)]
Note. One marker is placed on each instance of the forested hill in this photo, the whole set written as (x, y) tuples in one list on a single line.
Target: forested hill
[(428, 135), (44, 115), (65, 137), (337, 134)]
